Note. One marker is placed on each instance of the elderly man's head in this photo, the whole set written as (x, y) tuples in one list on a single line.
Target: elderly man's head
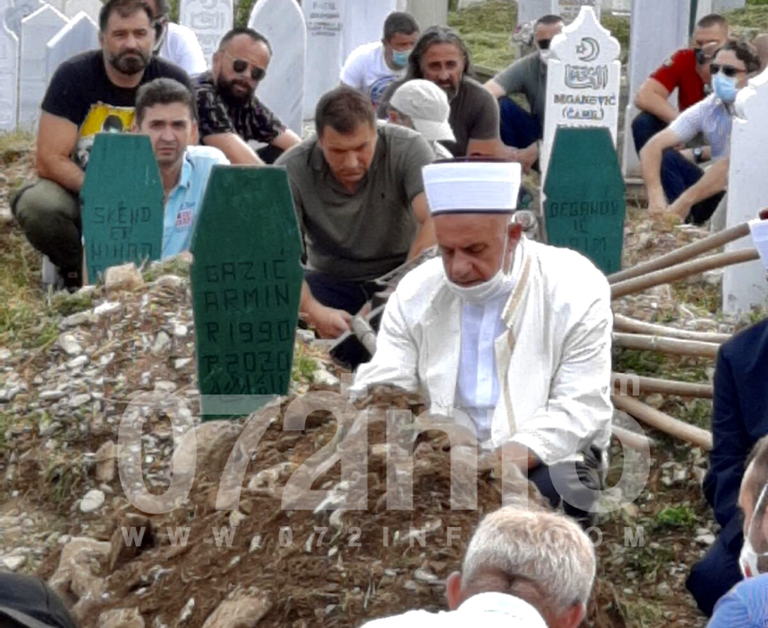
[(440, 56), (753, 501), (240, 64), (543, 558), (346, 133)]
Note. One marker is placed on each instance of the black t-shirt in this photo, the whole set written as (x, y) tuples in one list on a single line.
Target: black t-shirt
[(81, 92)]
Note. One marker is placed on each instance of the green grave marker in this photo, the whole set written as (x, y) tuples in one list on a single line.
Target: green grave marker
[(122, 203), (585, 206), (246, 287)]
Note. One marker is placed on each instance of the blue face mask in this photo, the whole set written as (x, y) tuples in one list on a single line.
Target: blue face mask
[(400, 57), (724, 87)]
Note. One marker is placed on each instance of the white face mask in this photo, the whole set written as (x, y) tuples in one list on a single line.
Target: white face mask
[(749, 559), (545, 56), (497, 285)]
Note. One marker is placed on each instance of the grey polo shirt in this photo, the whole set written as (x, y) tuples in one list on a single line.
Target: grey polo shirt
[(526, 76), (364, 234)]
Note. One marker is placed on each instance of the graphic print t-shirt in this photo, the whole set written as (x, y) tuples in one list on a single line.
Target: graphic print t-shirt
[(81, 92)]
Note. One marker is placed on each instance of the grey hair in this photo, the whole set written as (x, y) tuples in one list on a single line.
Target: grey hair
[(546, 552)]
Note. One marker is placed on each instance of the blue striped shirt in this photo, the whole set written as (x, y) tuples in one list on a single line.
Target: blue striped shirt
[(710, 117), (744, 606)]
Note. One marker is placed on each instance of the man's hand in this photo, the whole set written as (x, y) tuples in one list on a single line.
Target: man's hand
[(681, 208), (657, 202), (519, 455), (328, 322)]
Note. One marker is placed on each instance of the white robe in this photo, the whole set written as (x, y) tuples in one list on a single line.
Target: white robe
[(553, 360)]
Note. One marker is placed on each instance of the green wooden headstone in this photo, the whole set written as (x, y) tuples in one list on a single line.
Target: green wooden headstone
[(246, 287), (122, 203), (585, 206)]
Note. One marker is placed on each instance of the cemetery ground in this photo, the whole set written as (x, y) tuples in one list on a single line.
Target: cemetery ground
[(69, 365)]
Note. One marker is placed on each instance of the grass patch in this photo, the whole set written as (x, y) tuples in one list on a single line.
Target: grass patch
[(177, 265), (304, 366), (486, 28), (13, 145), (669, 518)]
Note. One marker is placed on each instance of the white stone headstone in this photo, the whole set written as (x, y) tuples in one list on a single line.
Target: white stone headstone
[(569, 9), (36, 30), (532, 10), (364, 22), (617, 6), (9, 56), (745, 285), (582, 80), (210, 19), (325, 49), (17, 10), (79, 35), (656, 31), (721, 6), (426, 12), (91, 8), (282, 90)]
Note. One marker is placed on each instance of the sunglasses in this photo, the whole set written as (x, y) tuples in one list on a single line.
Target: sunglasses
[(728, 70), (702, 57), (543, 44), (241, 65)]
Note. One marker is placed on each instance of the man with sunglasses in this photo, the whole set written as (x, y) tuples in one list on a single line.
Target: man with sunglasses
[(686, 71), (739, 424), (174, 42), (520, 129), (230, 115), (694, 194)]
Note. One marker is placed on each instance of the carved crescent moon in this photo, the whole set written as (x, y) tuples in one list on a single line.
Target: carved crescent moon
[(590, 49)]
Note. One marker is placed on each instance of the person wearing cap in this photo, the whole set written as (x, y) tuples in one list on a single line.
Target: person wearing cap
[(371, 68), (507, 336), (442, 56), (746, 604), (27, 602), (739, 421), (422, 106), (523, 568), (521, 129), (360, 204)]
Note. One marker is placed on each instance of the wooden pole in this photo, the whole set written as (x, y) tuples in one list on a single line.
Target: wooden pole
[(666, 345), (365, 333), (663, 422), (682, 254), (681, 271), (633, 440), (625, 323), (635, 385)]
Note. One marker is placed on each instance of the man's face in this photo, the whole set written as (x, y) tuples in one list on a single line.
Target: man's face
[(238, 68), (545, 33), (127, 42), (349, 156), (706, 42), (399, 42), (472, 246), (728, 63), (171, 129), (443, 64)]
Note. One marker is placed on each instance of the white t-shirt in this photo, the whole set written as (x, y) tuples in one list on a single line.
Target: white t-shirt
[(182, 48), (365, 69)]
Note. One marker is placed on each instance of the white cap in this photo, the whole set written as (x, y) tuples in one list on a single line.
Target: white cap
[(472, 187), (427, 107)]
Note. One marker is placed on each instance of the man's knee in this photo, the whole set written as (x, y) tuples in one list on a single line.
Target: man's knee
[(713, 576), (39, 204), (644, 127)]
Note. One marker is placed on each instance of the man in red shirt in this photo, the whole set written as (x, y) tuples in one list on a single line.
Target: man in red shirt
[(688, 71)]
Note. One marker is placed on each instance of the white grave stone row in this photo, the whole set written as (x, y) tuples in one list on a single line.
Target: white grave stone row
[(282, 90), (364, 22), (9, 55), (582, 80), (210, 19), (532, 10), (569, 9), (656, 31), (744, 285), (79, 35), (325, 48), (426, 12)]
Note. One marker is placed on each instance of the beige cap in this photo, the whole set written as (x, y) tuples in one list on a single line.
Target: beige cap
[(427, 107)]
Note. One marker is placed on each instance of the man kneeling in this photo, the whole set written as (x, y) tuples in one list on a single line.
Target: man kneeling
[(514, 334), (165, 112)]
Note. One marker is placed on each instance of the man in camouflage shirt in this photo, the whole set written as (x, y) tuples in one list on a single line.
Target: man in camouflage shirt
[(230, 113)]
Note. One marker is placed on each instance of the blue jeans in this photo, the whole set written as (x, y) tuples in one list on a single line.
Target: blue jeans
[(519, 128), (339, 294), (714, 575), (677, 173)]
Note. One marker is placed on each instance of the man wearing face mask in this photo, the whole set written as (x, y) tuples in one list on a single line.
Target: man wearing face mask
[(506, 336), (692, 193), (230, 114), (745, 604), (686, 71), (739, 423), (520, 129), (371, 68)]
